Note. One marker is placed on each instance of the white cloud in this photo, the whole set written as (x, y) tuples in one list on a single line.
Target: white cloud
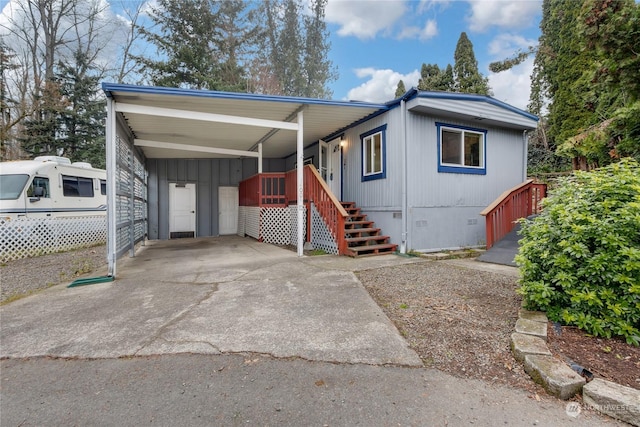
[(382, 84), (364, 19), (505, 45), (432, 4), (513, 86), (501, 13), (429, 30)]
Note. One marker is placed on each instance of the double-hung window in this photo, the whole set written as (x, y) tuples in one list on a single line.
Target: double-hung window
[(461, 149), (373, 154)]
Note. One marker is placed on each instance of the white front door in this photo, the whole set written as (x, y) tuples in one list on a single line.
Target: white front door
[(228, 206), (182, 210), (334, 168)]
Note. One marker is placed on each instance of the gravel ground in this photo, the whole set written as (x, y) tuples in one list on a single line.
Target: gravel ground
[(28, 275), (458, 320)]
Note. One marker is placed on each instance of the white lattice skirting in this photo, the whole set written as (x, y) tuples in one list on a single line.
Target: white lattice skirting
[(28, 237), (321, 237), (277, 226)]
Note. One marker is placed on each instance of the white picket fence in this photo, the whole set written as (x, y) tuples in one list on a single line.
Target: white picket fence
[(29, 237)]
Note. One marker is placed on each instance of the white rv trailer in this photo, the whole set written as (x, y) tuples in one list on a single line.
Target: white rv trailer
[(51, 186)]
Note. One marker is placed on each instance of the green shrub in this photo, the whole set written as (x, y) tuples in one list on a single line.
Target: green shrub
[(580, 259)]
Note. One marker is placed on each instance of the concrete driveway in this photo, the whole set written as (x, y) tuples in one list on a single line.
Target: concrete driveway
[(212, 296)]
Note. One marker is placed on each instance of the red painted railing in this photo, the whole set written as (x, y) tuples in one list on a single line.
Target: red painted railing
[(263, 190), (329, 207), (279, 190), (518, 202)]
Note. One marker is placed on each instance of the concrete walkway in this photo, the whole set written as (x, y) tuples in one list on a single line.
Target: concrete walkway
[(211, 296)]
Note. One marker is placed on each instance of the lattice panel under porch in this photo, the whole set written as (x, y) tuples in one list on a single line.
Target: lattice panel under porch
[(321, 237), (29, 237), (276, 226), (252, 224), (242, 218), (293, 212)]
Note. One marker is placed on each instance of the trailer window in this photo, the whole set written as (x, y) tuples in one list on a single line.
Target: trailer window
[(11, 186), (75, 186), (103, 187), (39, 182)]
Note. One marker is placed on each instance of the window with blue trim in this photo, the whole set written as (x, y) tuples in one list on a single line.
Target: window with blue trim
[(373, 153), (461, 149)]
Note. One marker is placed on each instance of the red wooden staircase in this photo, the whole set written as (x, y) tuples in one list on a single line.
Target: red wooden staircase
[(361, 235)]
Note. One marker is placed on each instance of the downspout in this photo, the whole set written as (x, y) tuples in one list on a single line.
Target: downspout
[(525, 149), (405, 178), (110, 145), (300, 182)]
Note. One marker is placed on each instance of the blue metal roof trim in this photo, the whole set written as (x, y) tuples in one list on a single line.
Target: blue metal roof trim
[(108, 88)]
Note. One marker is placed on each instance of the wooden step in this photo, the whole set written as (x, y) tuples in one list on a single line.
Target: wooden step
[(356, 217), (364, 224), (363, 239), (348, 205), (359, 231), (385, 248)]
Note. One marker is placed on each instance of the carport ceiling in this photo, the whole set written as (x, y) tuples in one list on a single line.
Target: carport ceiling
[(321, 118)]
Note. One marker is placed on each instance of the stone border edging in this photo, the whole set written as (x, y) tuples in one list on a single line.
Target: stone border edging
[(529, 347)]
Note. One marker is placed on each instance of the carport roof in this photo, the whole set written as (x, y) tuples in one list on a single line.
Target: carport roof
[(161, 117)]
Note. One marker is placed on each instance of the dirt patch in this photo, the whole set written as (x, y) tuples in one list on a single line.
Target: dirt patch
[(609, 359), (460, 321)]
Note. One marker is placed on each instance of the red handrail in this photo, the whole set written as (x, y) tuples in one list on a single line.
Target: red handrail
[(328, 206), (519, 202)]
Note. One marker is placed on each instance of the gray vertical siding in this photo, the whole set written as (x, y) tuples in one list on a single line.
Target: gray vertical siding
[(380, 193), (443, 208), (208, 175)]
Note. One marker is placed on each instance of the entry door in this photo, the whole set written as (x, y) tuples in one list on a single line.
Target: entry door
[(334, 168), (324, 159), (182, 210), (228, 205)]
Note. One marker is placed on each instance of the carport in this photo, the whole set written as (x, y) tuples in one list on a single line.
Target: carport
[(195, 132)]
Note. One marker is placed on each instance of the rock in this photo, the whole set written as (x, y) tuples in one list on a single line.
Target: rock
[(613, 399), (536, 316), (523, 344), (554, 375), (531, 327)]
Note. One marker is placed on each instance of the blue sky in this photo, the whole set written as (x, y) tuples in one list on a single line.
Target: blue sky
[(376, 43)]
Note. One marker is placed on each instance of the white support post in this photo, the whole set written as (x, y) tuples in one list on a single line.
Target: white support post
[(300, 182), (111, 153), (260, 158)]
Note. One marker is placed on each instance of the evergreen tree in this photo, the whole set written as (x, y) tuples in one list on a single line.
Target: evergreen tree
[(400, 90), (42, 128), (434, 78), (287, 57), (183, 40), (81, 123), (465, 69), (317, 67), (297, 49)]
